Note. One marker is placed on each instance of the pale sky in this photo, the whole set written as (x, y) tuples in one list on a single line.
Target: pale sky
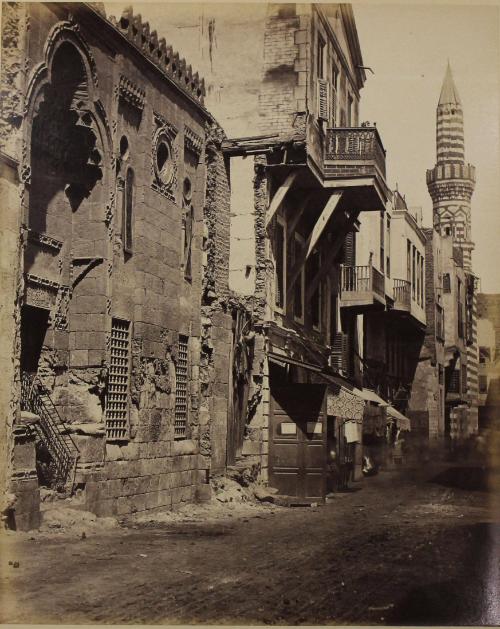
[(407, 46)]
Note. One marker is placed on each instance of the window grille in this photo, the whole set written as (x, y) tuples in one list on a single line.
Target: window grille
[(181, 389), (454, 386), (118, 382)]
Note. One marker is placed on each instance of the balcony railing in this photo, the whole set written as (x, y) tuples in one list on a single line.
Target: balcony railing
[(361, 145), (402, 295), (361, 286)]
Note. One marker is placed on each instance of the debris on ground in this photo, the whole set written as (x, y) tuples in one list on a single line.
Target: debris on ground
[(63, 518)]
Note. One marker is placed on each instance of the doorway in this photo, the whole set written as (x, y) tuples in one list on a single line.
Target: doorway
[(34, 325), (297, 449)]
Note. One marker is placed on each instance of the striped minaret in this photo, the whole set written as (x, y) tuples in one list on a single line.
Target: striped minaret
[(451, 181), (451, 184)]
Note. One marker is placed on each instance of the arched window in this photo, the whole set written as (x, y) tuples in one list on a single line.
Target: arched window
[(188, 240), (128, 210), (187, 227)]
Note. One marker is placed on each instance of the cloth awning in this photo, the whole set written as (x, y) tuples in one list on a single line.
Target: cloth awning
[(370, 396), (344, 403), (402, 421)]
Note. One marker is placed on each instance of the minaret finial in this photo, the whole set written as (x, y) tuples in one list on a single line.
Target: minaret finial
[(449, 93)]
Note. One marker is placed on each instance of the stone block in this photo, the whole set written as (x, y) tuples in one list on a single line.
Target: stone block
[(251, 448), (91, 448), (24, 454), (203, 493), (26, 509), (184, 446), (79, 358), (113, 452)]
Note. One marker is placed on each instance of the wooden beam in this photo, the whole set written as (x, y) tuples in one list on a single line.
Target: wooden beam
[(332, 254), (277, 200), (322, 221), (316, 232), (298, 211)]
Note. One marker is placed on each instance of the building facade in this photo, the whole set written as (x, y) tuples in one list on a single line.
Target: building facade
[(301, 184), (117, 272)]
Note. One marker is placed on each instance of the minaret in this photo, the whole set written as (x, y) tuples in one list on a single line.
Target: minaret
[(451, 181)]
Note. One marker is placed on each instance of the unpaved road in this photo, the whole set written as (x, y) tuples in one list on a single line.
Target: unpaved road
[(400, 550)]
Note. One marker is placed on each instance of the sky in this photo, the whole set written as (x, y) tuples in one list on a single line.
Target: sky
[(407, 46)]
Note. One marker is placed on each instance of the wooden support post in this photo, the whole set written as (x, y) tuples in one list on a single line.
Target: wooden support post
[(332, 254), (277, 200), (314, 236)]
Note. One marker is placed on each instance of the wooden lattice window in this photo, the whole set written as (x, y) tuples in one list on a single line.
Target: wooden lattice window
[(181, 388), (117, 427)]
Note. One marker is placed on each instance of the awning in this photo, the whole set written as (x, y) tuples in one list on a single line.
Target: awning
[(344, 403), (402, 421), (370, 396)]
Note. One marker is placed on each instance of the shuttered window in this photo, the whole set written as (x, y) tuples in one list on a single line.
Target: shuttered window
[(280, 264), (349, 252), (117, 427), (181, 389)]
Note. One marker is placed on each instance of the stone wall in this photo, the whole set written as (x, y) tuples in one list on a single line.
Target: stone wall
[(13, 22), (215, 367), (137, 234)]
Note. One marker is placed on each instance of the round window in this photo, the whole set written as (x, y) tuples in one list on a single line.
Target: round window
[(164, 166)]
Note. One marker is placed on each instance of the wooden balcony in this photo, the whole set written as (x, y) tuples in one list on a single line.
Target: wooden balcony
[(402, 295), (362, 288), (356, 157)]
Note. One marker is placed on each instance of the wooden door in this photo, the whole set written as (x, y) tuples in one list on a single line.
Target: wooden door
[(297, 447)]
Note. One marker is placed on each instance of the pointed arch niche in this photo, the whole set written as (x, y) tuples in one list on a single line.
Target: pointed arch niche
[(66, 174)]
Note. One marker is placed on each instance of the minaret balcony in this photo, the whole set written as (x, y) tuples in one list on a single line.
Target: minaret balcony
[(446, 171), (354, 158)]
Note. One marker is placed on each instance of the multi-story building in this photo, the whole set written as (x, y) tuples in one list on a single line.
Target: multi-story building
[(389, 250), (305, 176), (117, 242)]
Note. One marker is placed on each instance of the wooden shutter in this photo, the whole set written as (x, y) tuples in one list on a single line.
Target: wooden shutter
[(349, 258), (323, 99), (340, 352)]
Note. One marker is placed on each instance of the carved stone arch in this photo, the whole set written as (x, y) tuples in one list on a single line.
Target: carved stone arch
[(41, 75), (66, 132), (69, 31)]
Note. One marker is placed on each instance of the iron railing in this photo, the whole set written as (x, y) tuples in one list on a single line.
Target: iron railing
[(402, 293), (50, 428), (360, 279), (355, 144)]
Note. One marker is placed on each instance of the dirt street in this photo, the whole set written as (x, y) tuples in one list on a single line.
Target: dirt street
[(399, 549)]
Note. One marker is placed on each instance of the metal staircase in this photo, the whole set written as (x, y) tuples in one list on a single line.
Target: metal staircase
[(51, 429)]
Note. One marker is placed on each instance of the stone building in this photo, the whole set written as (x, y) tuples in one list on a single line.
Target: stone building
[(114, 264), (446, 384)]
